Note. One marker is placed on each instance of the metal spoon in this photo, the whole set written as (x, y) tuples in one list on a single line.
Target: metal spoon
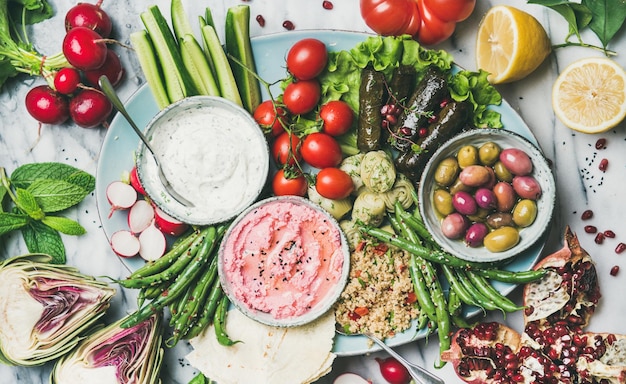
[(108, 90), (419, 374)]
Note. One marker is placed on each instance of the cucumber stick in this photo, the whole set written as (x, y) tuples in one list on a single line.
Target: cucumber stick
[(180, 22), (146, 55), (237, 39), (177, 80), (223, 71), (196, 64)]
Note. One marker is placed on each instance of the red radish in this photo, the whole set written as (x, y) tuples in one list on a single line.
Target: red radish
[(84, 48), (124, 243), (134, 181), (152, 243), (46, 105), (90, 108), (167, 224), (140, 216), (120, 195), (350, 378), (112, 69), (67, 80), (89, 16), (393, 371)]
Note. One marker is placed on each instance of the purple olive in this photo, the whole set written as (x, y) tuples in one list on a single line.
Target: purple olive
[(505, 196), (516, 161), (475, 234), (454, 226), (527, 187), (485, 198), (475, 175), (464, 203)]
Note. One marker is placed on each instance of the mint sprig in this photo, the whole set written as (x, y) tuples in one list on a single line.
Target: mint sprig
[(34, 195)]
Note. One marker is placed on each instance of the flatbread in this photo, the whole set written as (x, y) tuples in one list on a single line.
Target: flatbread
[(266, 354)]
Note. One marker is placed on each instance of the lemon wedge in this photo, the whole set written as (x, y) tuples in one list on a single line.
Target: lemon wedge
[(590, 95), (510, 44)]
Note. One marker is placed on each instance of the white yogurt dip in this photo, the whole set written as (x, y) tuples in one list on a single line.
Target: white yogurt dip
[(214, 155)]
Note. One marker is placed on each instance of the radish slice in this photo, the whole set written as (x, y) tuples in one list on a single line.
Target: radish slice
[(167, 224), (140, 216), (134, 181), (124, 243), (350, 378), (120, 195), (152, 243)]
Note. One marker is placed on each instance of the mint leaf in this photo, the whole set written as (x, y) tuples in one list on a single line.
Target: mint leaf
[(26, 174), (607, 18), (28, 204), (40, 238), (83, 180), (56, 195), (12, 221), (64, 225)]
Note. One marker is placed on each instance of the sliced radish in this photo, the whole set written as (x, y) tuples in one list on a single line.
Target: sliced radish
[(152, 243), (350, 378), (140, 216), (124, 243), (167, 224), (120, 195), (134, 181)]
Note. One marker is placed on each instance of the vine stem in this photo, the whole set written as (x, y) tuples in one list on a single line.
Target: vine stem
[(607, 52)]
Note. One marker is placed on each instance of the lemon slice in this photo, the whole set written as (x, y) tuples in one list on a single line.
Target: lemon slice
[(590, 95), (510, 44)]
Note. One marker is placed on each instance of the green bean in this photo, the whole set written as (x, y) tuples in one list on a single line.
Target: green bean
[(150, 292), (455, 285), (421, 290), (521, 277), (417, 225), (177, 306), (489, 291), (481, 299), (219, 323), (208, 311), (454, 308)]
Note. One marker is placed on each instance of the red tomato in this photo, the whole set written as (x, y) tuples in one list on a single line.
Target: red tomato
[(451, 10), (270, 117), (307, 58), (301, 97), (391, 17), (285, 150), (333, 183), (321, 150), (337, 117), (284, 184), (433, 30)]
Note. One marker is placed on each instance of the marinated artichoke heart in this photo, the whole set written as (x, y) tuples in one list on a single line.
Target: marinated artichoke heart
[(115, 355), (45, 308)]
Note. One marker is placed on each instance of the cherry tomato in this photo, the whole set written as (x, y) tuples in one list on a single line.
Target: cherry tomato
[(337, 117), (301, 97), (433, 30), (270, 117), (284, 184), (333, 183), (321, 150), (285, 150), (451, 10), (391, 17), (307, 58)]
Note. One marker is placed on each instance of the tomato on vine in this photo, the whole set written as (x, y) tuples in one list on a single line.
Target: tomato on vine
[(301, 97), (270, 117), (321, 150), (286, 149), (289, 183), (333, 183), (307, 58), (337, 117)]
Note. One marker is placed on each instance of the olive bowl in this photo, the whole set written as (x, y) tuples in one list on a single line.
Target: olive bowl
[(528, 235)]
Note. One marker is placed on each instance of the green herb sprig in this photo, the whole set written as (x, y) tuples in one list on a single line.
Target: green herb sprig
[(604, 17), (36, 193)]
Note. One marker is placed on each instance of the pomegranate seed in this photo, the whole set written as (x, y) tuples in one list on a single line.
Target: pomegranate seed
[(614, 270), (405, 131), (288, 25), (599, 238), (432, 119), (588, 214), (423, 132), (608, 233), (261, 20), (601, 143), (392, 119), (327, 4), (621, 247), (604, 164), (590, 229)]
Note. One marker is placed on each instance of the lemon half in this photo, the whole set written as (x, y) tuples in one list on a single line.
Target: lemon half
[(510, 44), (590, 95)]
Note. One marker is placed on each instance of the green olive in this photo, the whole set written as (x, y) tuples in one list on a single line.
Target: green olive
[(480, 216), (489, 153), (447, 171), (501, 239), (467, 155), (502, 173), (525, 213), (458, 186), (442, 201), (500, 219)]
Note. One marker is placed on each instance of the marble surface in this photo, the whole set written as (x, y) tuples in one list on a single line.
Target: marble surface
[(580, 185)]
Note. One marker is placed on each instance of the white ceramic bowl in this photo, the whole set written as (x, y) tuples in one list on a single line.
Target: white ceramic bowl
[(212, 152), (528, 235), (284, 261)]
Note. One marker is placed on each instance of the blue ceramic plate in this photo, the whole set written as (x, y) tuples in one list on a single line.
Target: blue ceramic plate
[(118, 151)]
